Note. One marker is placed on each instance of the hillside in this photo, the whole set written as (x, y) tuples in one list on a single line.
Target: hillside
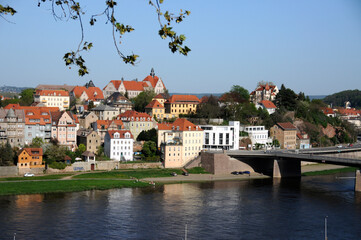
[(339, 99)]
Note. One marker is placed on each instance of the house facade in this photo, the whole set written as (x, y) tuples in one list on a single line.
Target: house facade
[(268, 105), (258, 135), (118, 145), (105, 112), (180, 142), (181, 104), (156, 109), (86, 95), (285, 133), (64, 128), (53, 98), (221, 137), (266, 91), (90, 139), (136, 122), (103, 126), (31, 158), (12, 124), (87, 119)]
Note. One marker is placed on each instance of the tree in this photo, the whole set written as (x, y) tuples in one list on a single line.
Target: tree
[(71, 9), (6, 154), (142, 100), (286, 98), (54, 153), (90, 105), (81, 148), (210, 108), (148, 135), (37, 142), (27, 97), (149, 149)]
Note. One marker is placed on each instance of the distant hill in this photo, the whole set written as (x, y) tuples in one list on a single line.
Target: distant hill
[(339, 99), (11, 89), (317, 97)]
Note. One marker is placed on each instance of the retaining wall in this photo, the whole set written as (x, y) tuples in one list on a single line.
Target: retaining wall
[(8, 171)]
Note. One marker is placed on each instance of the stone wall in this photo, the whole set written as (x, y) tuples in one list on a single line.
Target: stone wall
[(36, 171), (8, 171)]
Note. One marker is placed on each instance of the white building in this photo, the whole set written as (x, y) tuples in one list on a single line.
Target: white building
[(53, 98), (221, 137), (118, 145), (258, 134)]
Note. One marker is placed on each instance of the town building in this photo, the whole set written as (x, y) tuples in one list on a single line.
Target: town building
[(64, 128), (118, 145), (180, 142), (86, 95), (285, 133), (30, 158), (12, 124), (131, 89), (54, 87), (268, 105), (105, 112), (103, 126), (303, 141), (156, 109), (87, 119), (328, 112), (267, 91), (136, 122), (90, 139), (53, 98), (221, 137), (119, 101), (258, 135), (161, 97), (181, 104)]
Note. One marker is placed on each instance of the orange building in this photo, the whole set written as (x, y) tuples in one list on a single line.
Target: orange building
[(31, 158)]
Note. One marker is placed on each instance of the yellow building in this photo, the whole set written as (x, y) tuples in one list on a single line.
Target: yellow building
[(180, 142), (285, 133), (53, 98), (31, 158), (155, 109), (181, 104)]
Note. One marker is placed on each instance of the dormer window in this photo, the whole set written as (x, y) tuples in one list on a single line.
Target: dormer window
[(116, 135), (127, 135)]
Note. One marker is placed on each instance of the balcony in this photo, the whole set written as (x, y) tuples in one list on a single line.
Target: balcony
[(66, 101), (44, 100), (65, 106)]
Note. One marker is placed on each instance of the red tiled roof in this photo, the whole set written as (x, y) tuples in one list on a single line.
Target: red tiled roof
[(180, 124), (13, 106), (184, 98), (134, 85), (34, 151), (93, 93), (107, 123), (327, 110), (159, 96), (268, 104), (52, 93), (346, 112), (154, 104), (121, 133), (137, 116), (152, 80), (116, 83), (287, 126)]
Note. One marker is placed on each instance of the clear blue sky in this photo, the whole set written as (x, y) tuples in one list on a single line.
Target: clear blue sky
[(313, 46)]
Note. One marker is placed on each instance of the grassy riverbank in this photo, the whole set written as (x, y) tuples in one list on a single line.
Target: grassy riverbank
[(45, 177), (128, 174), (33, 187), (329, 171)]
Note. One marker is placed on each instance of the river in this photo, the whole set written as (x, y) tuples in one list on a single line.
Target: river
[(252, 209)]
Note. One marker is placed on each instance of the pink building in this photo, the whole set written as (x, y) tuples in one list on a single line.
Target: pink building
[(64, 128)]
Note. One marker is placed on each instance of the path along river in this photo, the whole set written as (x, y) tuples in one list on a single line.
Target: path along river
[(250, 209)]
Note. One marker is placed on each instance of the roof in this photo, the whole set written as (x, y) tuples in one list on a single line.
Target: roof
[(61, 93), (118, 97), (93, 93), (107, 123), (19, 113), (121, 133), (88, 154), (54, 87), (34, 151), (153, 80), (286, 126), (134, 85), (352, 111), (154, 104), (181, 124), (37, 115), (160, 96), (184, 98), (268, 104), (55, 116), (132, 115), (104, 108), (327, 110)]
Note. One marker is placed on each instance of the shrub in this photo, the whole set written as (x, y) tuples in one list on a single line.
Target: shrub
[(57, 165)]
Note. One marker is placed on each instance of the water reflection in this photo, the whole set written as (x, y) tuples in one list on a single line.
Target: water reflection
[(253, 209)]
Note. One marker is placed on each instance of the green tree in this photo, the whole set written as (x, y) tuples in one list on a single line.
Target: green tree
[(27, 97), (6, 155), (37, 142), (142, 100), (148, 135), (73, 10), (81, 148), (209, 108), (90, 105), (149, 149), (286, 98), (54, 153)]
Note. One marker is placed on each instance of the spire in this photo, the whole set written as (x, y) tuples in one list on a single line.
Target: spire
[(152, 72), (122, 79)]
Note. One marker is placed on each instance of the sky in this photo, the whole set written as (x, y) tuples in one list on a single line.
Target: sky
[(310, 46)]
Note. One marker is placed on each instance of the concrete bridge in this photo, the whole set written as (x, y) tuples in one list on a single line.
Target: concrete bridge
[(282, 163)]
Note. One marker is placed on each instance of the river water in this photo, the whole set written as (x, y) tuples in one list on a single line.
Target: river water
[(254, 209)]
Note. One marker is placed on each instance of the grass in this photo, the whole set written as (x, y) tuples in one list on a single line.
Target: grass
[(16, 188), (331, 171), (139, 173), (46, 177), (197, 170)]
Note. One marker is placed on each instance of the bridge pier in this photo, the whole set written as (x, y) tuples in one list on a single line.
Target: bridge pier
[(286, 168), (358, 181)]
